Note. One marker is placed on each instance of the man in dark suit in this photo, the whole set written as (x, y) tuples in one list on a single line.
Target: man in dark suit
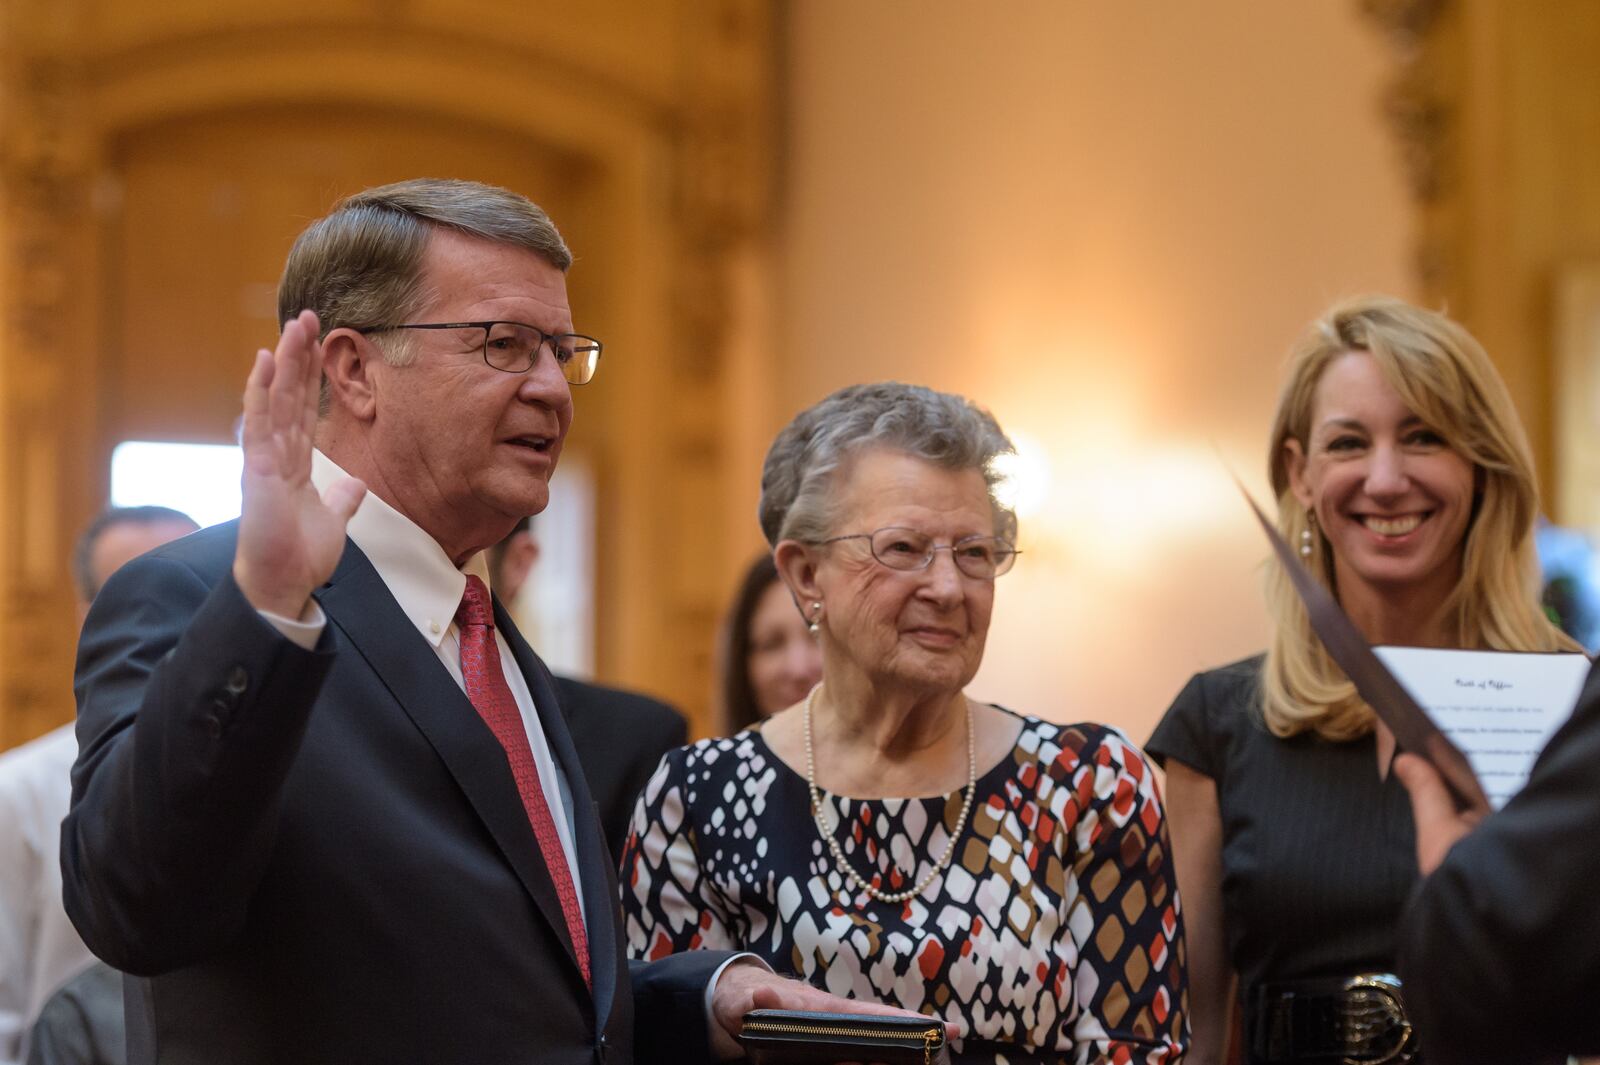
[(619, 735), (1498, 947), (322, 809)]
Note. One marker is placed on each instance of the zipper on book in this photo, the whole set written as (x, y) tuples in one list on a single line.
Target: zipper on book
[(931, 1039)]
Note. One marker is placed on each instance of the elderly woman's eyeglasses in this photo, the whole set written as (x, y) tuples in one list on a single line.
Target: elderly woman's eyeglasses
[(514, 347), (980, 557)]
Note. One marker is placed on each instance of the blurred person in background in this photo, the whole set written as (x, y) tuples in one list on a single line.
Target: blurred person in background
[(890, 837), (620, 735), (39, 948), (1570, 569), (1406, 481), (83, 1023), (769, 659)]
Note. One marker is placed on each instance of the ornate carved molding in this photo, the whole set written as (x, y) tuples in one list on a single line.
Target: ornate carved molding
[(1407, 22), (699, 109), (723, 157), (46, 162), (1417, 107)]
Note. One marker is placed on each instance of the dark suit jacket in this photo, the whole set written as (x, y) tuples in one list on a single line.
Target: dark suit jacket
[(321, 856), (1500, 947), (81, 1024), (620, 737)]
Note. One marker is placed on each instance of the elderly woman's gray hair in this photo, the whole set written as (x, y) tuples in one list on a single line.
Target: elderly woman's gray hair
[(797, 483)]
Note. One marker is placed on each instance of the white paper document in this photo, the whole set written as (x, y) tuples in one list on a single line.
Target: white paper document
[(1499, 707)]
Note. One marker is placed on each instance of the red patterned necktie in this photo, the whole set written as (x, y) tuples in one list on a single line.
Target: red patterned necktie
[(486, 688)]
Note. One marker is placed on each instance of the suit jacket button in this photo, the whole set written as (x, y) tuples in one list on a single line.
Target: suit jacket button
[(238, 680), (213, 726)]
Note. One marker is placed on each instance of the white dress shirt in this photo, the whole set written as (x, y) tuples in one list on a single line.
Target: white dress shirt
[(429, 587), (39, 948)]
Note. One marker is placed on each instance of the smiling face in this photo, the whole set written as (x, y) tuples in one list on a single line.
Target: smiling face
[(464, 449), (922, 630), (1390, 496), (784, 662)]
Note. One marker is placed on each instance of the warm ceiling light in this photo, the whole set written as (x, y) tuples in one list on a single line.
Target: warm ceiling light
[(1024, 477)]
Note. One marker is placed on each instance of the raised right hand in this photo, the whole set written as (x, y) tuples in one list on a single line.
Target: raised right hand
[(290, 538)]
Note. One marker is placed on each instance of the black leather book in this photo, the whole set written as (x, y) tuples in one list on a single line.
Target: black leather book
[(797, 1037)]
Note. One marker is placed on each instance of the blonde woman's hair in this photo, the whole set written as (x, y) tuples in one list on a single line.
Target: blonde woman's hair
[(1446, 379)]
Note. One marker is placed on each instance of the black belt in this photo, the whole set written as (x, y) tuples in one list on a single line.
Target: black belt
[(1359, 1020)]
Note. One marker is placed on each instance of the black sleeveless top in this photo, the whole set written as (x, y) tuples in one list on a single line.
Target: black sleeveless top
[(1318, 853)]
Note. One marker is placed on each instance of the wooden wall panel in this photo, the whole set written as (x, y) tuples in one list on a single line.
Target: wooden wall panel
[(1510, 149), (157, 159), (206, 208)]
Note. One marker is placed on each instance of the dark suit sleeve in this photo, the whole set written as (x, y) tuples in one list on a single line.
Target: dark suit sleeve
[(620, 737), (81, 1024), (1499, 949), (191, 708), (61, 1035), (669, 1007)]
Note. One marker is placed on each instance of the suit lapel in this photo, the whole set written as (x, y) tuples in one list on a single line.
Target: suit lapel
[(1590, 692), (594, 860), (359, 603)]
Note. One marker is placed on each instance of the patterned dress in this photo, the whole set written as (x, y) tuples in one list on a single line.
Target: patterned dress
[(1053, 936)]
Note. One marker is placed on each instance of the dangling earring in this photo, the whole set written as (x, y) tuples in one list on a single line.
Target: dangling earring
[(815, 624), (1308, 534)]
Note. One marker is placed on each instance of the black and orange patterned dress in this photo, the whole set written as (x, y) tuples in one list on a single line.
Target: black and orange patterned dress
[(1054, 935)]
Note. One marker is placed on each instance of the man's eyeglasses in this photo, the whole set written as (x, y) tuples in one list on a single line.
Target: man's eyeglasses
[(982, 558), (514, 346)]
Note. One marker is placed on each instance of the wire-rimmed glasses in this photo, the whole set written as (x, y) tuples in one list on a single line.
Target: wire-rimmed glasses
[(514, 346), (982, 558)]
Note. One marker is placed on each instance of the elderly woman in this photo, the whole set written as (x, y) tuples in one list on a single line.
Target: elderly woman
[(1405, 479), (889, 837)]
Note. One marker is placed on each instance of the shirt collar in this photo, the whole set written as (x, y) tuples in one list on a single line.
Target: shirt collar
[(411, 563)]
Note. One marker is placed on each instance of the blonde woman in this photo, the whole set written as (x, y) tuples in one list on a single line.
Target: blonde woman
[(1404, 477)]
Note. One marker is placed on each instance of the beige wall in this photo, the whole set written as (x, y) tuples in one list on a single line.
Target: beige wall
[(1520, 219), (1106, 222)]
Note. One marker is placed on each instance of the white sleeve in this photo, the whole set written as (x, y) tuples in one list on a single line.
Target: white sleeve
[(19, 928), (303, 633)]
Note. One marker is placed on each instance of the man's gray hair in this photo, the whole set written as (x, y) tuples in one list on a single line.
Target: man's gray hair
[(360, 266), (798, 493)]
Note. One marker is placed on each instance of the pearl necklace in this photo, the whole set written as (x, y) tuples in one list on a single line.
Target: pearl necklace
[(819, 818)]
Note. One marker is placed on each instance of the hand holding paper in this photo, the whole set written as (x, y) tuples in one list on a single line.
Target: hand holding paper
[(1439, 824), (1500, 708)]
